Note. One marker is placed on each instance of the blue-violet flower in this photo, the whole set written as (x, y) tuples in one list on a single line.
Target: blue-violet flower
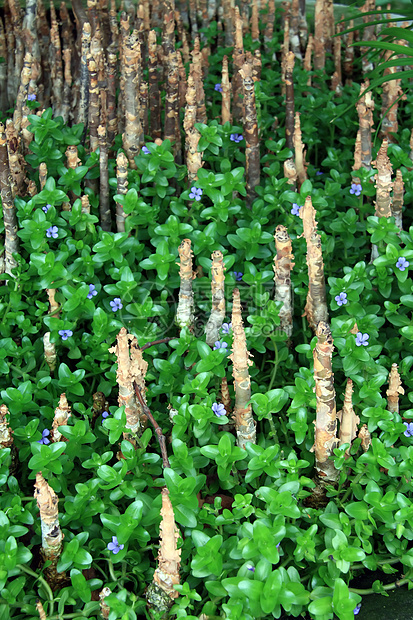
[(238, 275), (114, 546), (362, 339), (116, 304), (218, 87), (44, 439), (145, 150), (357, 608), (226, 327), (65, 333), (409, 429), (31, 97), (236, 137), (219, 409), (296, 209), (355, 189), (92, 291), (220, 345), (53, 231), (196, 193), (402, 263), (46, 208), (341, 299)]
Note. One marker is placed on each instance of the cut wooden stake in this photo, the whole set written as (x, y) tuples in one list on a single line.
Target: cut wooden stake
[(83, 108), (42, 175), (357, 157), (122, 189), (319, 43), (294, 29), (226, 93), (154, 95), (17, 162), (6, 434), (283, 264), (289, 101), (49, 352), (169, 556), (365, 107), (104, 204), (383, 188), (132, 138), (131, 369), (395, 389), (225, 396), (398, 198), (307, 58), (325, 438), (218, 298), (52, 536), (365, 437), (285, 48), (104, 607), (61, 416), (42, 613), (300, 163), (11, 241), (316, 309), (196, 72), (252, 150), (184, 314), (348, 419), (290, 173), (244, 421), (238, 59)]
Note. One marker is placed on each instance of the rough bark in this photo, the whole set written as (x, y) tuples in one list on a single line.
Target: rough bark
[(337, 83), (192, 135), (133, 137), (11, 240), (255, 30), (283, 264), (169, 556), (49, 352), (217, 316), (348, 55), (104, 607), (171, 101), (83, 109), (357, 156), (289, 101), (196, 71), (394, 390), (238, 60), (226, 93), (325, 439), (61, 416), (17, 162), (290, 173), (365, 437), (398, 199), (122, 188), (295, 29), (300, 164), (319, 43), (269, 28), (285, 48), (348, 419), (384, 183), (390, 104), (252, 150), (184, 313), (307, 58), (52, 536), (6, 434), (56, 64), (365, 107), (41, 611), (154, 95), (244, 421), (4, 101), (316, 309), (131, 370), (104, 205), (21, 107), (225, 396), (368, 35)]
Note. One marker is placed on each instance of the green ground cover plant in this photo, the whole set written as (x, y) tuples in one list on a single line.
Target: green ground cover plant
[(260, 535)]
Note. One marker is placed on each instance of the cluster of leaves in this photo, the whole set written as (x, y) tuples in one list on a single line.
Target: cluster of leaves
[(254, 548)]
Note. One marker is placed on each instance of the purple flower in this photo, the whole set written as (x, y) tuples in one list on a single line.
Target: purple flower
[(278, 544), (319, 173), (218, 88), (238, 275), (226, 327), (341, 299), (52, 232), (116, 304), (65, 333), (105, 415), (236, 137), (92, 291), (46, 208), (220, 345), (357, 608), (362, 339), (196, 193), (409, 429), (31, 97), (355, 189), (251, 568), (402, 263), (296, 209), (219, 409), (145, 150), (44, 439), (114, 546)]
